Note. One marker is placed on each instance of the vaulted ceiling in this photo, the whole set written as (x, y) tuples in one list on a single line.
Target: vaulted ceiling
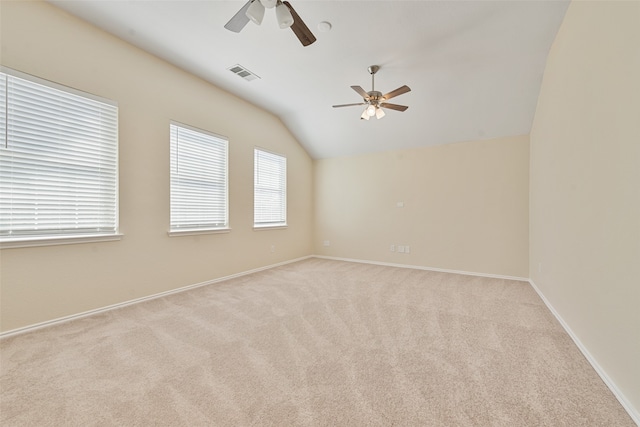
[(474, 67)]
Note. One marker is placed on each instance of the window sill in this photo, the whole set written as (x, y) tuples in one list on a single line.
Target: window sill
[(177, 233), (58, 240), (269, 227)]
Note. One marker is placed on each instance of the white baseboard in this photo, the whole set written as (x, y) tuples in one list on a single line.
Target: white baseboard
[(635, 416), (69, 318), (64, 319), (419, 267), (605, 378)]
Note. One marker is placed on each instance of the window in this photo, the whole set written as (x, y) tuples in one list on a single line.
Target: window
[(270, 189), (58, 163), (198, 180)]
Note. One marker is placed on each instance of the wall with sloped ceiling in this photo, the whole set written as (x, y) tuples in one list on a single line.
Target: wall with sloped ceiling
[(585, 187), (43, 283)]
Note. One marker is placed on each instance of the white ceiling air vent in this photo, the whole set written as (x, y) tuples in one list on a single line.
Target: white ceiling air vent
[(243, 72)]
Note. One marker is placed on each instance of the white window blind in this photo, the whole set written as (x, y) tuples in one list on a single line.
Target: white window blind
[(199, 179), (58, 161), (270, 189)]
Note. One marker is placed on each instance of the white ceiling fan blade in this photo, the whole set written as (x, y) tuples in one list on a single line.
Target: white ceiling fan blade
[(239, 20)]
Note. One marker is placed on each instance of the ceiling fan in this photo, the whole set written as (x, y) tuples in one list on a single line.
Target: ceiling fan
[(287, 18), (376, 101)]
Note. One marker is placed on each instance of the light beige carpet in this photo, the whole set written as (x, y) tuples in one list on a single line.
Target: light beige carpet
[(314, 343)]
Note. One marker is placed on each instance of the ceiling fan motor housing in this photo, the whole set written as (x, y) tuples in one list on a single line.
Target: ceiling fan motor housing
[(375, 97)]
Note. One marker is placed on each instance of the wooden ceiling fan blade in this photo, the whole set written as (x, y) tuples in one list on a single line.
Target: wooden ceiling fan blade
[(239, 20), (361, 92), (299, 28), (394, 106), (399, 91), (348, 105)]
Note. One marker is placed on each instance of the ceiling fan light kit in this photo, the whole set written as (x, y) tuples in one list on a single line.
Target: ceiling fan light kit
[(375, 101), (286, 16), (255, 12), (285, 19), (371, 110), (269, 4)]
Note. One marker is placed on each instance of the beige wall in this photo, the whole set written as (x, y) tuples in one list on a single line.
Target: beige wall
[(585, 185), (465, 206), (43, 283)]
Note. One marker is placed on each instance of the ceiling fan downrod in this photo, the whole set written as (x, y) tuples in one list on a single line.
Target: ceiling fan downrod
[(373, 69)]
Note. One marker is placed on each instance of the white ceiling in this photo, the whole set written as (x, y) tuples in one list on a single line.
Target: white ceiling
[(474, 67)]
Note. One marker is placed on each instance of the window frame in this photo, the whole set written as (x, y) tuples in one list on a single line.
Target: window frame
[(31, 238), (284, 205), (186, 230)]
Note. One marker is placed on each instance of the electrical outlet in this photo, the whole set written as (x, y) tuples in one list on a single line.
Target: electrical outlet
[(273, 248), (392, 248), (407, 249), (400, 249), (326, 243)]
